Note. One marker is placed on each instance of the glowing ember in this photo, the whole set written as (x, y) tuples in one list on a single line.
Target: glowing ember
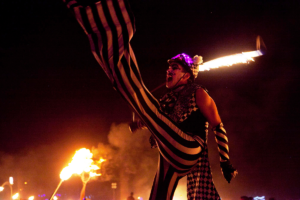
[(92, 174), (31, 198), (82, 162), (15, 196), (244, 57)]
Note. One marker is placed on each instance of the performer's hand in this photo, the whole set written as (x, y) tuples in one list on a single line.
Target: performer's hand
[(228, 171), (134, 126), (152, 142)]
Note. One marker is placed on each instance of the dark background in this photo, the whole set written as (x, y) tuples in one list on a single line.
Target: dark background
[(56, 99)]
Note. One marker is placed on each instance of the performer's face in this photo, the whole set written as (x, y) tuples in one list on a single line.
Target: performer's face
[(176, 75)]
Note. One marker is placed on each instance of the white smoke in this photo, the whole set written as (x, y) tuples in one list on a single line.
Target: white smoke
[(136, 162)]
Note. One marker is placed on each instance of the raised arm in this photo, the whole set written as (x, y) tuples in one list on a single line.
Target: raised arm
[(209, 109)]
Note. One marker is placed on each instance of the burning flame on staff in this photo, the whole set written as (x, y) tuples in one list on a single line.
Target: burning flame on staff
[(82, 163), (244, 57)]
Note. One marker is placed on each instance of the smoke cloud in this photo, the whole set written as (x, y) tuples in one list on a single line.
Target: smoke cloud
[(135, 160)]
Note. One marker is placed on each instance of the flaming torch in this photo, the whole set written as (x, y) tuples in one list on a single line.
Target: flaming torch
[(82, 163), (244, 57)]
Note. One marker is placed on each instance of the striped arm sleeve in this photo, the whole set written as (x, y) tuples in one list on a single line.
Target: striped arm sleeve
[(228, 171), (222, 141), (109, 26)]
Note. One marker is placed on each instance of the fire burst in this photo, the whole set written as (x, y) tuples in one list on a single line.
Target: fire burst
[(82, 163)]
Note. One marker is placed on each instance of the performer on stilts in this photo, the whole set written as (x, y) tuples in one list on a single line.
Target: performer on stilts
[(186, 104), (109, 25)]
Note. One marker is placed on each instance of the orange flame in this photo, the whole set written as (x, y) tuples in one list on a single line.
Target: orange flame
[(244, 57), (81, 162)]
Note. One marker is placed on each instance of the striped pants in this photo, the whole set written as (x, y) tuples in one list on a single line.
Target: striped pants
[(109, 25)]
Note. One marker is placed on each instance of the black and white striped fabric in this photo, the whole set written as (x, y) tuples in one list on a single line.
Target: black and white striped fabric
[(222, 141), (109, 26)]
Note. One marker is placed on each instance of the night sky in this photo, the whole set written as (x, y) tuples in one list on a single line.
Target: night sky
[(55, 99)]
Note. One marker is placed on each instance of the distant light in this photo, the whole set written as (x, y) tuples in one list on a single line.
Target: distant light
[(55, 198), (31, 198), (25, 183), (259, 198), (1, 189), (11, 180), (113, 185)]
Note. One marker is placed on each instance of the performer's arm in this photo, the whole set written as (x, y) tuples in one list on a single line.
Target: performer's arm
[(209, 109), (136, 125)]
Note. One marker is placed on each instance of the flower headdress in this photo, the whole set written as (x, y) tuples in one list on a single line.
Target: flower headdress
[(190, 64)]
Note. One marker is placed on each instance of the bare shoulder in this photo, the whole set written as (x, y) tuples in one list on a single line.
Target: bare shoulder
[(202, 95), (203, 99), (207, 106)]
